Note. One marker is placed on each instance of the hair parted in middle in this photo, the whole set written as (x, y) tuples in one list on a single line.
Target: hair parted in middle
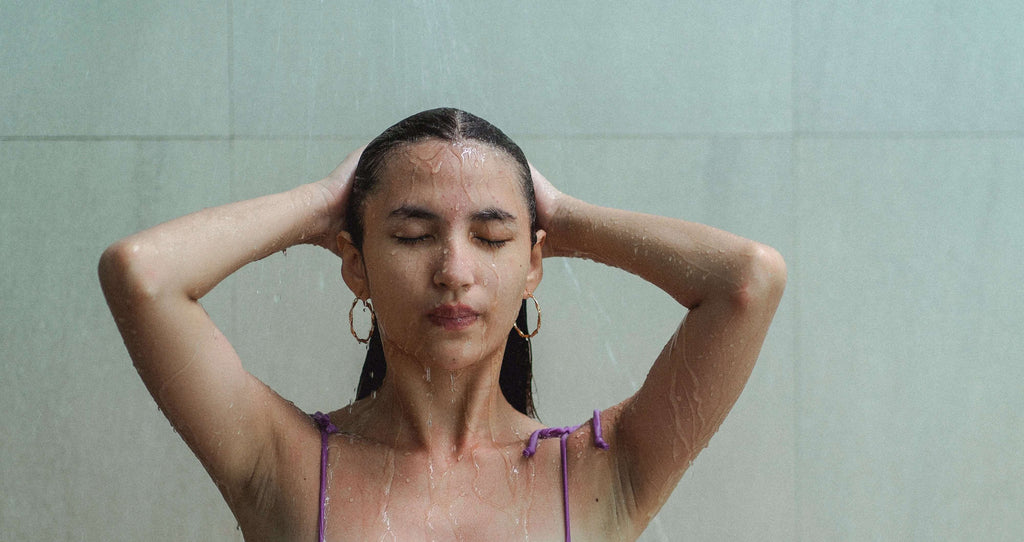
[(454, 126)]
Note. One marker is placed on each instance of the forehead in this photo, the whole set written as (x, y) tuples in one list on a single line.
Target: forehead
[(451, 175)]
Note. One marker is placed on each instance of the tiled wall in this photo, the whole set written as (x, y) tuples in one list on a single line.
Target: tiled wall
[(878, 145)]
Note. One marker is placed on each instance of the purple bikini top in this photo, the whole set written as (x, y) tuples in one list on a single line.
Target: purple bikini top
[(328, 428), (563, 434)]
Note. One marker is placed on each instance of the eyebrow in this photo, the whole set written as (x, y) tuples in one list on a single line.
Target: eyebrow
[(488, 214), (412, 211), (493, 214)]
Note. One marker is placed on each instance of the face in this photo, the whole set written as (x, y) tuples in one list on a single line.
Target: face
[(447, 255)]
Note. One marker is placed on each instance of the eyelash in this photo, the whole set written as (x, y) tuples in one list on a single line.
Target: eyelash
[(493, 244), (415, 240)]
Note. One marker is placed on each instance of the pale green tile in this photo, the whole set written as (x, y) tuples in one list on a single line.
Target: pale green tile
[(113, 68), (82, 415), (565, 68), (909, 66), (908, 294)]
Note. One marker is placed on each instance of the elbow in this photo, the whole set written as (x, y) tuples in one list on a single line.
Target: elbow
[(122, 273), (763, 278), (111, 269)]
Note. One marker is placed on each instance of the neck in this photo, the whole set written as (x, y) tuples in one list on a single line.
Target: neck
[(446, 412)]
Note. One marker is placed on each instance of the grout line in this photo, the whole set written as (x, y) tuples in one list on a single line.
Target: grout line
[(91, 138), (795, 134), (655, 135), (794, 54), (237, 294), (907, 135), (800, 134), (233, 300), (795, 240), (168, 138), (231, 68)]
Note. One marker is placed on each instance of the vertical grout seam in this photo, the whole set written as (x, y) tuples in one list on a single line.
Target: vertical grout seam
[(795, 240)]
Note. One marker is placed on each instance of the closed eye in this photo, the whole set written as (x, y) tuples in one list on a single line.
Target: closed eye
[(494, 243), (411, 240)]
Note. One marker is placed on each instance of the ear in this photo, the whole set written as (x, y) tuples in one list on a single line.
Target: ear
[(353, 270), (536, 263)]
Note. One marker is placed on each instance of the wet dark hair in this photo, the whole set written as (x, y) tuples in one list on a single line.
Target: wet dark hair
[(455, 126)]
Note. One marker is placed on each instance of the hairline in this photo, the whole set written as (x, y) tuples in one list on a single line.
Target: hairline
[(391, 153)]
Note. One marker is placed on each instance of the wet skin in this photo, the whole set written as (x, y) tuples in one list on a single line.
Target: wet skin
[(436, 454), (446, 254), (447, 258)]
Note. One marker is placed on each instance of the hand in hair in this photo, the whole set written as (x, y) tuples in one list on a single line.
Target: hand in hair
[(548, 201), (336, 187)]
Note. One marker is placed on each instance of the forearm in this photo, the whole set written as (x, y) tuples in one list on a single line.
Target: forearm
[(192, 254), (690, 261)]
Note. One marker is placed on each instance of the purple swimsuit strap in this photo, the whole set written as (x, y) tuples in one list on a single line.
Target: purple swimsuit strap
[(323, 422), (563, 434), (326, 428)]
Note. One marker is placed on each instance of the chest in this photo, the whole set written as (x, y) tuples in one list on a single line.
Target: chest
[(488, 495)]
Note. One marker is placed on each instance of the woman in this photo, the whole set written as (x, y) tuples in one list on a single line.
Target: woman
[(441, 225)]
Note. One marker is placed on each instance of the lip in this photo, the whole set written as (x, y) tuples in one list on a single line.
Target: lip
[(453, 317)]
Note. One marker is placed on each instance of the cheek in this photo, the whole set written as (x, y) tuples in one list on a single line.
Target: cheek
[(508, 277), (393, 278)]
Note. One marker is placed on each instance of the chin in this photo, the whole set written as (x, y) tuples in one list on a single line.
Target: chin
[(447, 351), (457, 354)]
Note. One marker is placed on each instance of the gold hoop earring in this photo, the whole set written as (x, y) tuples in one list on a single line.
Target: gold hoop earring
[(351, 320), (536, 329)]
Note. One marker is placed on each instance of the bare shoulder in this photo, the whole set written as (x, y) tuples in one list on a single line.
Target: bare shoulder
[(280, 496), (599, 499)]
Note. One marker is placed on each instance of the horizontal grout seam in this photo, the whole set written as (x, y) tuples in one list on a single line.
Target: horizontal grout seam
[(1007, 134)]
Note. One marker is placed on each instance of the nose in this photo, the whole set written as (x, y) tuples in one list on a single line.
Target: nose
[(455, 268)]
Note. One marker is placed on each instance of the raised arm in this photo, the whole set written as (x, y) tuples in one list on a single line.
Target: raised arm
[(153, 281), (731, 287)]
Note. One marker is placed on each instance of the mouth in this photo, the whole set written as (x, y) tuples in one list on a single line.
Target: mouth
[(453, 317)]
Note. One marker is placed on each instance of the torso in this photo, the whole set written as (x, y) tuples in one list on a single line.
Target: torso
[(489, 493), (486, 494)]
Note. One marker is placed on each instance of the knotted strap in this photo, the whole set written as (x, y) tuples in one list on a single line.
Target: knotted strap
[(563, 434)]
